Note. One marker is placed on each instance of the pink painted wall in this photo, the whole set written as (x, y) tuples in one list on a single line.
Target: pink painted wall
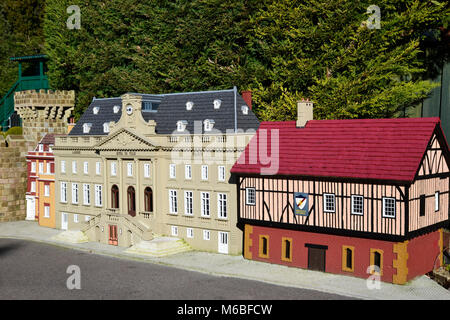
[(277, 198)]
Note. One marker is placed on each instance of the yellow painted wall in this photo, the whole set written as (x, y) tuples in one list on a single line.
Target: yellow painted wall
[(41, 200)]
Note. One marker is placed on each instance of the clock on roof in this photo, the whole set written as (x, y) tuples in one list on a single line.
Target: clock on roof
[(129, 109)]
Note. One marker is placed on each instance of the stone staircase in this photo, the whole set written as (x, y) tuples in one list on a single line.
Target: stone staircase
[(159, 247)]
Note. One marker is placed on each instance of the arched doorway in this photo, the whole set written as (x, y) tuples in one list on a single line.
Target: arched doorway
[(148, 199), (131, 196), (114, 197)]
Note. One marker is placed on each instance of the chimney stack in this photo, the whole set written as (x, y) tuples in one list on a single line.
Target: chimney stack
[(247, 96), (304, 112)]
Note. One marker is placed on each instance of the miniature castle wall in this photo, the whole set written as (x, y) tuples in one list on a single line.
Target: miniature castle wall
[(13, 178), (41, 112), (44, 112)]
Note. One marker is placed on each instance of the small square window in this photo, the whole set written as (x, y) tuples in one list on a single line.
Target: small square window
[(329, 202), (389, 207), (357, 204), (250, 196)]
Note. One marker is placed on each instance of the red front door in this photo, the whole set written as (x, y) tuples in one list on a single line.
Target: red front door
[(113, 235)]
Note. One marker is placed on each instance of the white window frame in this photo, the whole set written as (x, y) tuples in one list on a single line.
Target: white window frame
[(205, 204), (75, 193), (75, 218), (46, 190), (221, 173), (33, 186), (189, 203), (250, 200), (46, 211), (33, 167), (146, 170), (174, 231), (436, 201), (129, 169), (74, 167), (206, 235), (205, 172), (86, 194), (41, 167), (222, 212), (49, 168), (327, 196), (87, 218), (190, 232), (98, 168), (106, 127), (41, 147), (63, 166), (173, 201), (98, 195), (63, 192), (385, 199), (113, 168), (188, 172), (354, 198), (86, 167), (172, 171)]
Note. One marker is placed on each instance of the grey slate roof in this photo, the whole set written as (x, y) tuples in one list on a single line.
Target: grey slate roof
[(172, 109)]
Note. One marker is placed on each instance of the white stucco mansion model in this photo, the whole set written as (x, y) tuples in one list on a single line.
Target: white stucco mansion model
[(141, 166)]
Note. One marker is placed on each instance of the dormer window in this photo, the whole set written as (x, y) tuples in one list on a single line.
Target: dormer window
[(244, 109), (95, 110), (50, 148), (116, 109), (106, 127), (41, 148), (208, 124), (189, 105), (217, 103), (181, 125), (87, 127)]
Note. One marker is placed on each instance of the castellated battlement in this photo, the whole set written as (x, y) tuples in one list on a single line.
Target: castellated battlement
[(31, 104), (44, 111)]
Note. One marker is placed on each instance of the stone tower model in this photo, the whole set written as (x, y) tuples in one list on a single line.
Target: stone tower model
[(41, 113)]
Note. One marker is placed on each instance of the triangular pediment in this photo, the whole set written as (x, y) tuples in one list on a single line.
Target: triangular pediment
[(124, 139)]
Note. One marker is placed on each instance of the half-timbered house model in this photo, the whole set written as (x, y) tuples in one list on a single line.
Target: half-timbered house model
[(141, 165), (346, 196)]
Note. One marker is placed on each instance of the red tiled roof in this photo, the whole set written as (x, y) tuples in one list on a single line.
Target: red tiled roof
[(380, 149), (49, 138)]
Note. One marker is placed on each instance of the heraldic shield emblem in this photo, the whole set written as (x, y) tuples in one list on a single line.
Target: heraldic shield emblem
[(301, 203)]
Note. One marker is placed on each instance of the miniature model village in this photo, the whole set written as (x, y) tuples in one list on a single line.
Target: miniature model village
[(166, 173)]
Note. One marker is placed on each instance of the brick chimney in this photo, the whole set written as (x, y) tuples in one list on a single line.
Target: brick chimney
[(304, 112), (247, 96)]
